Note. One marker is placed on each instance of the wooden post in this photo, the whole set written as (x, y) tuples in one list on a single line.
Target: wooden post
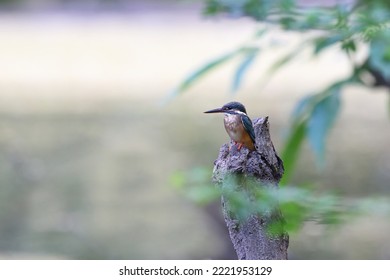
[(250, 236)]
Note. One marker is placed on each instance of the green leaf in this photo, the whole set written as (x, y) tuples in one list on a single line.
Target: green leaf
[(288, 22), (321, 120), (324, 42), (275, 228), (287, 58), (294, 214), (281, 62), (260, 33), (303, 107), (243, 67), (287, 5), (256, 9), (317, 18), (298, 132), (212, 8), (203, 194), (379, 57), (349, 46), (291, 150), (177, 180), (203, 70)]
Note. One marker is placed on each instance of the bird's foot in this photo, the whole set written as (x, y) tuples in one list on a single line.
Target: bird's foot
[(238, 145), (234, 144)]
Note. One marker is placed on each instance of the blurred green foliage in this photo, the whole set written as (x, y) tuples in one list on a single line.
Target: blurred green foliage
[(247, 54), (297, 204)]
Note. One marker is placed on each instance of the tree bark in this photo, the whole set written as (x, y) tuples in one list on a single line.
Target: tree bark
[(250, 236)]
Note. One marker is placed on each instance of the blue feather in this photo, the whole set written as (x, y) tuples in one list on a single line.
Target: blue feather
[(246, 121)]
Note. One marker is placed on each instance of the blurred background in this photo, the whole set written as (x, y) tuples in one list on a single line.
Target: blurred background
[(87, 150)]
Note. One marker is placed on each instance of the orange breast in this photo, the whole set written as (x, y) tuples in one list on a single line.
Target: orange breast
[(237, 132), (247, 141)]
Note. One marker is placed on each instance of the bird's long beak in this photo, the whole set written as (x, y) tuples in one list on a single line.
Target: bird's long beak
[(218, 110)]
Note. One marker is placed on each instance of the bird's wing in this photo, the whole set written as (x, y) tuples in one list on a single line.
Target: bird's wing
[(246, 121)]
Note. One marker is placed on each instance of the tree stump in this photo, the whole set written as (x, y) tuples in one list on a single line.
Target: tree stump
[(250, 236)]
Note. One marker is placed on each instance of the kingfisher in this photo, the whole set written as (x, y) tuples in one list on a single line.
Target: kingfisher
[(237, 124)]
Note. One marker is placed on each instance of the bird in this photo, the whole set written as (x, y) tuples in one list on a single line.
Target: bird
[(237, 124)]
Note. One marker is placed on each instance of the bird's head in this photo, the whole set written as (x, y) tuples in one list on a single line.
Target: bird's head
[(233, 108)]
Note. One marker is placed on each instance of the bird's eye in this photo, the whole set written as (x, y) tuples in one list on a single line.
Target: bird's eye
[(227, 108)]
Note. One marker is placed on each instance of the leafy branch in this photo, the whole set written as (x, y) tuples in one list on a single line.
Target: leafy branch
[(297, 204), (349, 27)]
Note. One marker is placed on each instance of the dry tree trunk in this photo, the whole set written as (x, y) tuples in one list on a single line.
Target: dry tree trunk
[(250, 236)]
